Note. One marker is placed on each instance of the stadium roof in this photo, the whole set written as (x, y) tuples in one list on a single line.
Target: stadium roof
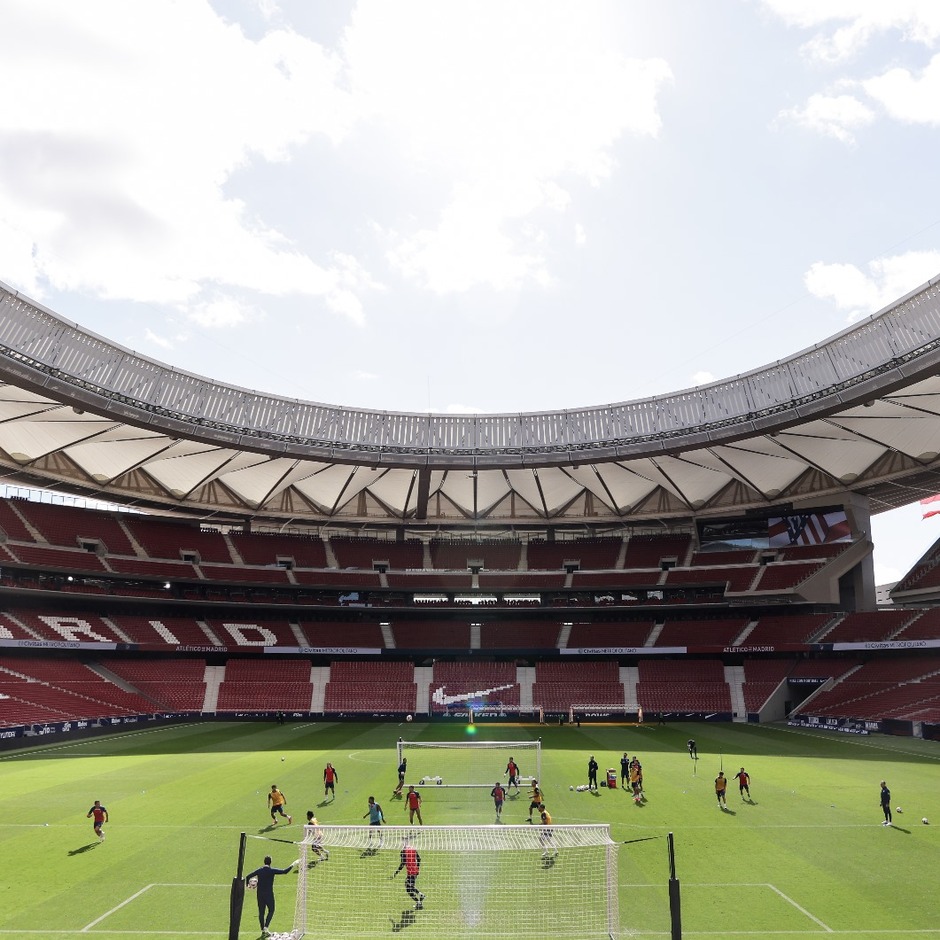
[(857, 413)]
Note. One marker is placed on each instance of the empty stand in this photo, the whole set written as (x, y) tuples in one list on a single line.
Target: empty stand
[(423, 634), (683, 686), (783, 629), (721, 632), (587, 635), (588, 554), (649, 551), (176, 684), (264, 549), (371, 687), (867, 626), (560, 685), (456, 554), (70, 526), (270, 684), (163, 539), (520, 635)]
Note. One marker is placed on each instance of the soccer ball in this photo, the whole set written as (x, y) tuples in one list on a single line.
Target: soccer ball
[(899, 810), (570, 788), (439, 781), (252, 884), (409, 717), (421, 782), (925, 821)]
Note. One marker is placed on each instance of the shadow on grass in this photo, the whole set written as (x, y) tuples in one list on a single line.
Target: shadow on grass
[(84, 848), (728, 810), (407, 920)]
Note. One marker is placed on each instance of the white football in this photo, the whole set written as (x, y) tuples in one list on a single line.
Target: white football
[(925, 821), (421, 781), (409, 717), (899, 810), (570, 788), (252, 884)]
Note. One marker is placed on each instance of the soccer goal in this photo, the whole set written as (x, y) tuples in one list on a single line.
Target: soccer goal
[(468, 763), (473, 882)]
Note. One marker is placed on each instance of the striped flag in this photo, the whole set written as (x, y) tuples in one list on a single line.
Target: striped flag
[(930, 506), (812, 528)]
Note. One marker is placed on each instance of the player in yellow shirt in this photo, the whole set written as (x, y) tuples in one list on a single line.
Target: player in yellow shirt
[(547, 835), (536, 798), (277, 802), (721, 785)]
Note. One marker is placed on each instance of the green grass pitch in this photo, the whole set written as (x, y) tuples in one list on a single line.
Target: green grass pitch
[(807, 857)]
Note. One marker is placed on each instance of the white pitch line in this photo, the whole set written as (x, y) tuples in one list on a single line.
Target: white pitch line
[(133, 897), (802, 910)]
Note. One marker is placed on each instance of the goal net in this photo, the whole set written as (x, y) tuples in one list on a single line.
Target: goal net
[(468, 763), (472, 882)]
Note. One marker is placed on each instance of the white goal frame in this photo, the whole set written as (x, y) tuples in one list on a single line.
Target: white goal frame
[(526, 747), (602, 914), (575, 712)]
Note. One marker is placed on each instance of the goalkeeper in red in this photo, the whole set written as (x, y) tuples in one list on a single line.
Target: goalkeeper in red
[(411, 862)]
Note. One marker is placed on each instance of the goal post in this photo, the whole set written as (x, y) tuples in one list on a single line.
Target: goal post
[(473, 882), (468, 763)]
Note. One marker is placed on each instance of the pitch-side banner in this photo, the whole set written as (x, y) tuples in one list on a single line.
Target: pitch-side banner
[(885, 645), (60, 644)]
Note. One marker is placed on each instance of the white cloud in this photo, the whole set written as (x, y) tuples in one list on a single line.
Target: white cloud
[(360, 375), (580, 235), (136, 207), (702, 378), (848, 26), (911, 98), (162, 341), (221, 312), (862, 294), (549, 106), (834, 116)]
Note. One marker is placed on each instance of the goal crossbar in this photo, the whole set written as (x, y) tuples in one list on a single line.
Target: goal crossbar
[(468, 763), (470, 881)]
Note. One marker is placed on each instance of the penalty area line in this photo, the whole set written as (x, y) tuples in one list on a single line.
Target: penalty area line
[(137, 894)]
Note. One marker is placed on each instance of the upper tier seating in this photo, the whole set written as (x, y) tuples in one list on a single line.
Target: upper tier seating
[(589, 554), (425, 634), (365, 552), (626, 634), (264, 549), (772, 629), (456, 554), (163, 539), (69, 526), (721, 632), (867, 626), (519, 634), (649, 551)]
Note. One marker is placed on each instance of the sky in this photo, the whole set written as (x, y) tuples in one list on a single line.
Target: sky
[(473, 207)]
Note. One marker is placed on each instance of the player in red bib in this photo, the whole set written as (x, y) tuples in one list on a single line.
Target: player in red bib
[(330, 778), (411, 862), (100, 815), (413, 805)]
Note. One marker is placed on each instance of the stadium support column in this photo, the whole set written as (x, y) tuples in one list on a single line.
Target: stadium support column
[(675, 913), (424, 491)]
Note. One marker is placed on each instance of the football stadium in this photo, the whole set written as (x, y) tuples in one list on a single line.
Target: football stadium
[(277, 663), (683, 582)]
